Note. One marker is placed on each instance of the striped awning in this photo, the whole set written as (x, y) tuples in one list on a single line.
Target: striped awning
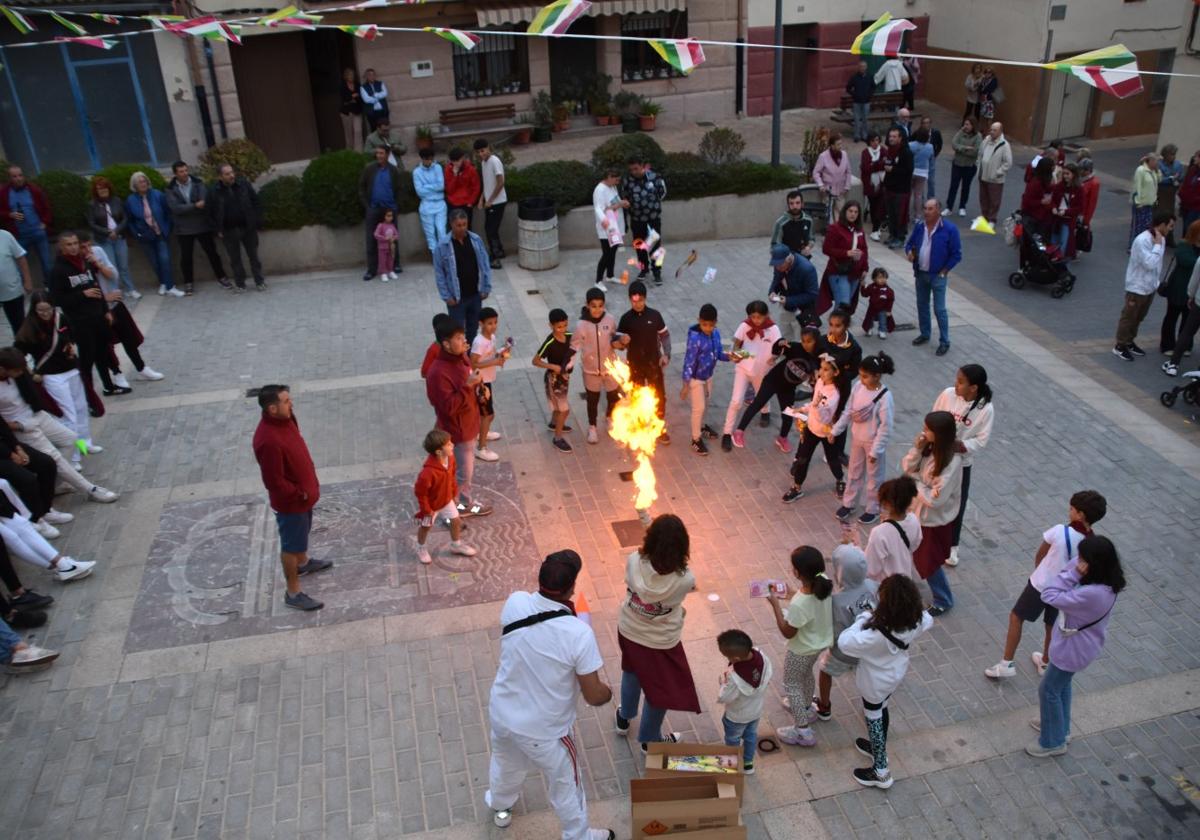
[(501, 15)]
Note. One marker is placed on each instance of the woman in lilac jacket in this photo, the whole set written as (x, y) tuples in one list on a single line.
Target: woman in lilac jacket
[(1084, 596)]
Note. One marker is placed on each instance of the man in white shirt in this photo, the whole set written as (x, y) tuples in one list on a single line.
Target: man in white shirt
[(374, 95), (1141, 282), (493, 199), (548, 658), (15, 281)]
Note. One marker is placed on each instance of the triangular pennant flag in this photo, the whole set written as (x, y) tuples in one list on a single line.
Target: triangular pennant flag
[(1111, 69), (207, 27), (21, 23), (368, 31), (90, 41), (103, 18), (70, 26), (456, 36), (370, 4), (684, 55), (982, 225), (557, 18), (163, 21), (882, 37), (291, 16)]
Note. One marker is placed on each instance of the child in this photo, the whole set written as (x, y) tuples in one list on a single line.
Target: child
[(868, 413), (435, 347), (822, 411), (754, 339), (699, 362), (437, 495), (892, 542), (486, 360), (386, 237), (796, 366), (595, 337), (556, 356), (1059, 549), (880, 297), (881, 640), (937, 469), (743, 691), (808, 627), (856, 594)]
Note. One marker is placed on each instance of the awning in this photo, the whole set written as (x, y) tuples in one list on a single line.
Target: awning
[(503, 15)]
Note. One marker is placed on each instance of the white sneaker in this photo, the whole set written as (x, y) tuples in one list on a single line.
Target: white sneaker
[(78, 465), (869, 331), (883, 335), (947, 212), (952, 560), (162, 290), (383, 278), (30, 659), (1000, 671), (463, 549), (494, 436), (102, 495), (486, 454), (962, 211), (94, 448), (1039, 661), (57, 517), (149, 374), (601, 286), (875, 236), (175, 292), (423, 555), (69, 569), (47, 530), (393, 275), (135, 294), (592, 435), (119, 380)]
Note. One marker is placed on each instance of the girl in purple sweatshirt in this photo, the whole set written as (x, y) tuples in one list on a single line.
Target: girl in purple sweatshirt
[(1084, 596)]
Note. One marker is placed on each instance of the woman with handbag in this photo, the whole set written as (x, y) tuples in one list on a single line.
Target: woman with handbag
[(846, 246), (1089, 197), (1174, 288)]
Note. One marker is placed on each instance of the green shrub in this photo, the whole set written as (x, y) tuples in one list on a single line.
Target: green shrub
[(247, 159), (569, 183), (120, 173), (283, 204), (616, 150), (330, 187), (688, 175), (750, 178), (68, 197), (721, 146)]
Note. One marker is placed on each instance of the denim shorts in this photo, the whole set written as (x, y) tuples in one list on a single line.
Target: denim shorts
[(293, 531)]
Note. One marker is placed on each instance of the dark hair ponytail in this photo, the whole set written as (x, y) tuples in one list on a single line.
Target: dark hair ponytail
[(976, 376), (809, 564), (878, 364)]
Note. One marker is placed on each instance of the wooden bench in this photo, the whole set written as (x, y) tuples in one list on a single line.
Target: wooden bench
[(469, 122), (883, 108)]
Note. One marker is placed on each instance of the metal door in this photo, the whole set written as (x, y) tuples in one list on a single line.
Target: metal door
[(1070, 104)]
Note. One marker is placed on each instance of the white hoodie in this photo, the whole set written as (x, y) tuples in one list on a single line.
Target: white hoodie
[(743, 702), (881, 664), (653, 612), (974, 425)]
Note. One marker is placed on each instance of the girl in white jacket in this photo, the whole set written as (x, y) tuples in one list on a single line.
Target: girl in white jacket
[(821, 413), (868, 413), (604, 199), (970, 401), (937, 469), (881, 641)]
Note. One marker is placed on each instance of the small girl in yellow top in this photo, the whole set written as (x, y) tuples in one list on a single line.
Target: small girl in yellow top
[(808, 626)]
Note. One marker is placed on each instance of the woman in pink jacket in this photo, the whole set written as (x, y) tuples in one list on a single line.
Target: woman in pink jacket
[(832, 174)]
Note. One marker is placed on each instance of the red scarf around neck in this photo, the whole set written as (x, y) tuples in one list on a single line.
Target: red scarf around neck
[(757, 332), (751, 670)]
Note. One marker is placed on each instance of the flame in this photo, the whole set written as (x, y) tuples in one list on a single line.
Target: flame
[(635, 424)]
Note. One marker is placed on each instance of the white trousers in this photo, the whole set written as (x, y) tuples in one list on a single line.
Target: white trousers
[(741, 380), (66, 389), (45, 434), (513, 757), (20, 537)]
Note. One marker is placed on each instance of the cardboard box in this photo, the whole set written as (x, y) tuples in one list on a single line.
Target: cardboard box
[(665, 806), (658, 753)]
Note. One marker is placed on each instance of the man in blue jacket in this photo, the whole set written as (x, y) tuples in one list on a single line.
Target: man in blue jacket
[(430, 184), (463, 273), (934, 248), (794, 286)]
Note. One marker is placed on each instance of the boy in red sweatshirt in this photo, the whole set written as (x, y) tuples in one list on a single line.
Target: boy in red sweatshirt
[(437, 493), (431, 352)]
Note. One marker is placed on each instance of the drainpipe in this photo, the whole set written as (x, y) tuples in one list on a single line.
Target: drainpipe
[(777, 97), (198, 90), (212, 75)]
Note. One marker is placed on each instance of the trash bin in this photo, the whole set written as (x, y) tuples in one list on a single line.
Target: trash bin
[(537, 234)]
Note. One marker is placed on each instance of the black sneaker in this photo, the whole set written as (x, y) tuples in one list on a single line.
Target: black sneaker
[(764, 420), (670, 738), (1135, 350), (260, 287), (843, 513), (868, 518), (622, 723), (942, 350), (496, 264), (1122, 353), (643, 274), (224, 281), (189, 288), (864, 747), (935, 610), (823, 713), (237, 290), (919, 340), (26, 619), (550, 426), (300, 601), (399, 269), (31, 600), (707, 431), (727, 443), (561, 445), (867, 777), (698, 446), (116, 391), (839, 489), (657, 279), (366, 277), (793, 494), (313, 566)]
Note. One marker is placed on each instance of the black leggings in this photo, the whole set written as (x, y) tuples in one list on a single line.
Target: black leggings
[(593, 405), (783, 392), (608, 261), (1183, 341), (804, 452), (962, 504)]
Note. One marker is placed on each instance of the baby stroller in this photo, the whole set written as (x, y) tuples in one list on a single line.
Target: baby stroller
[(1041, 263), (1190, 389)]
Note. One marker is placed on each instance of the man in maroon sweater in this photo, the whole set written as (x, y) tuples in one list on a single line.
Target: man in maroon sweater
[(450, 386), (291, 481)]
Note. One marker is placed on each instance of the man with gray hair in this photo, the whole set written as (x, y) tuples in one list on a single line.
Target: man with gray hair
[(237, 216), (995, 159), (934, 248)]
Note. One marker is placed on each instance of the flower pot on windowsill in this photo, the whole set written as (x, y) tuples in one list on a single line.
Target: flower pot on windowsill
[(646, 122), (522, 136)]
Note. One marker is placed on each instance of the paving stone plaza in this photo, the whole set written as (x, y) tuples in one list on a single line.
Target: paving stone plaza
[(189, 703)]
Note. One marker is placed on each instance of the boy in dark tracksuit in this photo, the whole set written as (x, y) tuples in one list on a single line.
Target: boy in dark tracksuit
[(645, 191), (648, 347)]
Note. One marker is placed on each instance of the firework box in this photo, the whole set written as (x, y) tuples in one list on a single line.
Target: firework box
[(663, 756), (698, 805)]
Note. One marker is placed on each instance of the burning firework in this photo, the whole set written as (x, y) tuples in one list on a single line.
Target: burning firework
[(635, 424)]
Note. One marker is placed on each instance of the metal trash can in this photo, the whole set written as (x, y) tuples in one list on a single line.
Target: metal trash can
[(537, 234)]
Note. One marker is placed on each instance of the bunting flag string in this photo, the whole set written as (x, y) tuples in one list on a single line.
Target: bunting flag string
[(111, 20), (368, 32), (89, 41), (684, 55), (557, 18), (1111, 69), (882, 37), (207, 27), (456, 36), (21, 23), (291, 16)]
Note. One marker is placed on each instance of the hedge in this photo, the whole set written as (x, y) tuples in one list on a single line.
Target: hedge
[(120, 173), (248, 160), (68, 196), (615, 151), (283, 204), (329, 188), (569, 183)]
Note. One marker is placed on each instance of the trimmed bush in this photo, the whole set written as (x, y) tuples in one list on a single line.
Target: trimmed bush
[(283, 204), (750, 178), (68, 197), (721, 146), (330, 187), (615, 151), (568, 183), (120, 173), (247, 159), (688, 175)]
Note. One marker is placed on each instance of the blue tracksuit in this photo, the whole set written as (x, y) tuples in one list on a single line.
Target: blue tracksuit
[(430, 184)]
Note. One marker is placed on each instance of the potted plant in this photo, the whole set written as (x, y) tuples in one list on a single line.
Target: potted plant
[(424, 137), (600, 112), (524, 129), (648, 114), (543, 117), (562, 116)]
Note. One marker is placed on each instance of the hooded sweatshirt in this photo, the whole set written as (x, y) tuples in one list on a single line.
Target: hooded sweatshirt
[(593, 341), (435, 486), (702, 354), (856, 594), (974, 422), (743, 701), (652, 615), (881, 664), (1078, 606)]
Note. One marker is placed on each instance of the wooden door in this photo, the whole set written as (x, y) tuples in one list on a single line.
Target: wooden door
[(795, 67), (274, 93)]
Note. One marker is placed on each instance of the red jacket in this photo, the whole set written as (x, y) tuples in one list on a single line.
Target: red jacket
[(1074, 198), (40, 204), (453, 400), (1031, 201), (1089, 192), (435, 487), (287, 469), (431, 354), (463, 189), (866, 167), (1189, 190)]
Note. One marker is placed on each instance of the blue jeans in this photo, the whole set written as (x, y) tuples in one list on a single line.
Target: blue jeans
[(117, 251), (650, 727), (1054, 697), (930, 192), (861, 127), (927, 283), (38, 243), (843, 288), (8, 640), (939, 585), (1060, 236), (881, 318), (741, 733), (466, 312), (158, 252)]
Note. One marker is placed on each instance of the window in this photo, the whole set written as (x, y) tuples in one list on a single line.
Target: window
[(639, 61), (1160, 84), (499, 64)]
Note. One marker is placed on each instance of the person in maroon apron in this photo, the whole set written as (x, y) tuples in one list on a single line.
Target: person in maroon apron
[(937, 469)]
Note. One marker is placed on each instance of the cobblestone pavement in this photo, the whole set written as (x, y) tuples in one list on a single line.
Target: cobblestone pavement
[(375, 727)]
